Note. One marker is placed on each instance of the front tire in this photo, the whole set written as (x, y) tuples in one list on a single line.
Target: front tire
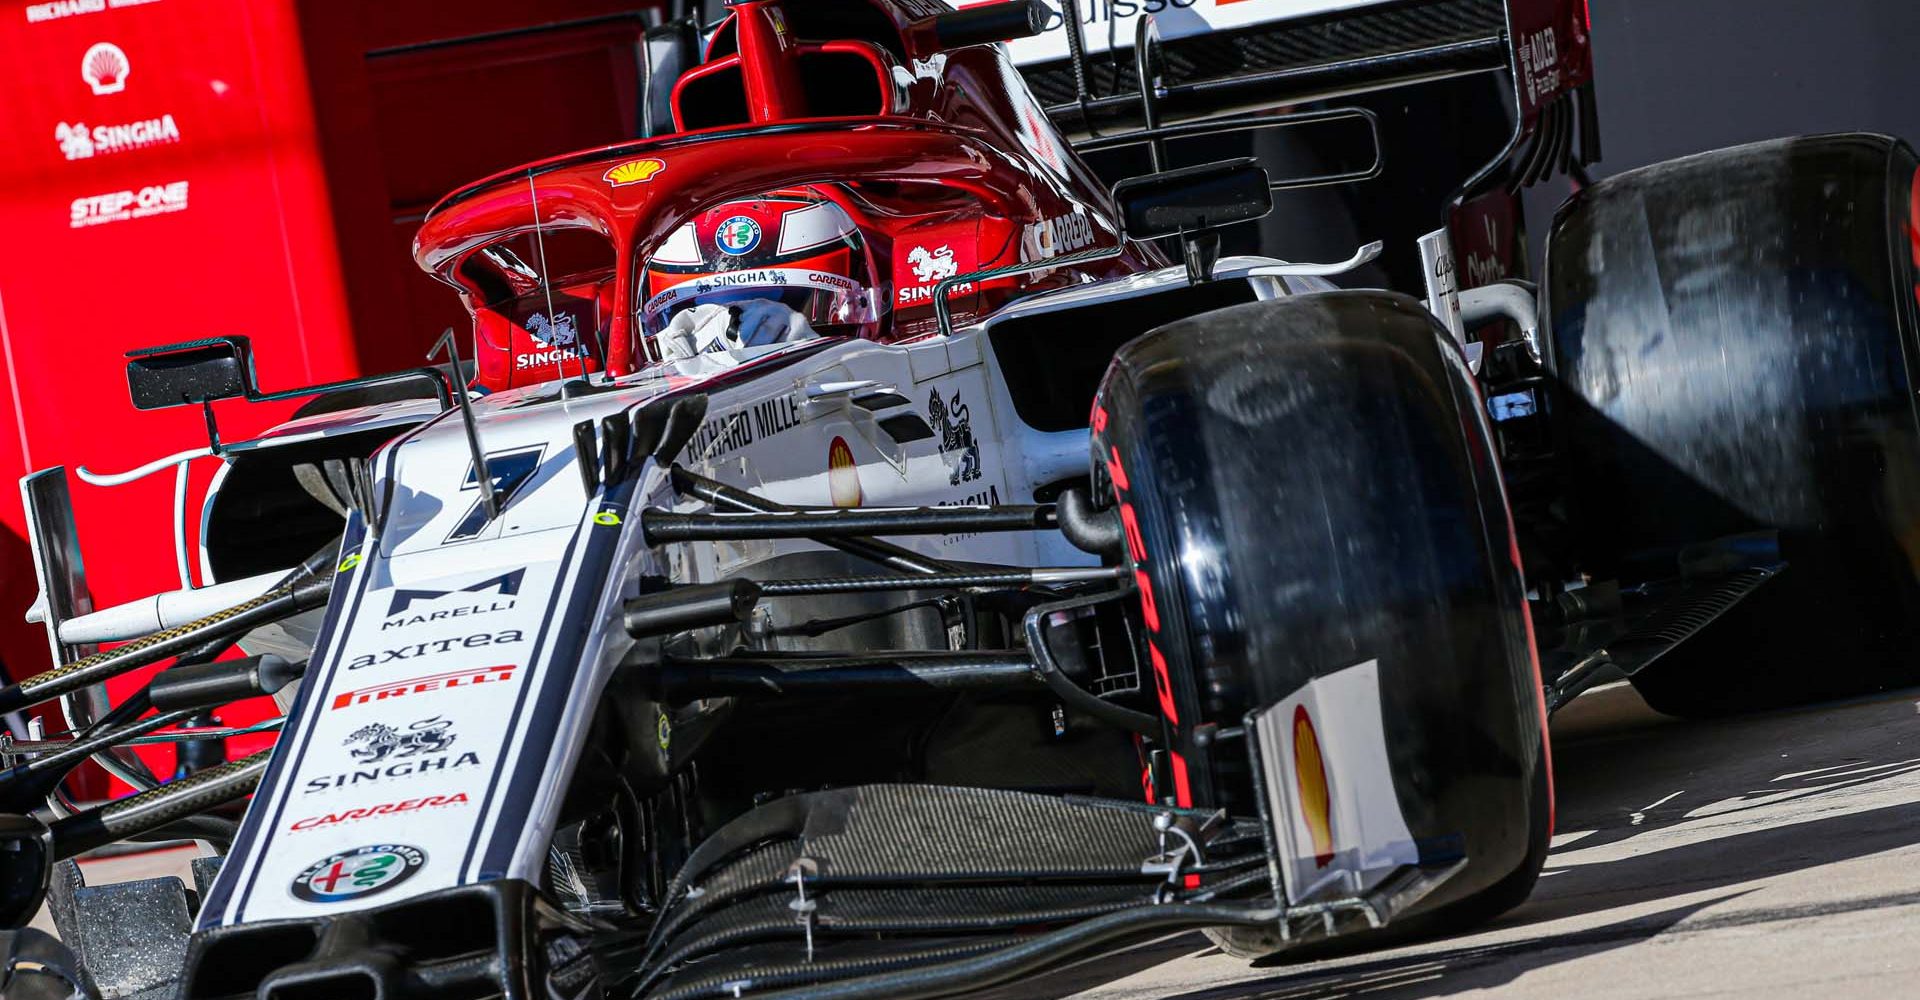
[(1308, 484)]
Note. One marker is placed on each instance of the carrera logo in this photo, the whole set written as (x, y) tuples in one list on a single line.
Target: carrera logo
[(633, 172), (325, 820), (507, 585), (424, 685), (424, 649)]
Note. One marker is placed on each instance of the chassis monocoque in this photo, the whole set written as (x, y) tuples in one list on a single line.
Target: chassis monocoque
[(1142, 597)]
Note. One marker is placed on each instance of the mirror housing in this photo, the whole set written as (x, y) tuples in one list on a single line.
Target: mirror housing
[(989, 23), (1193, 199), (192, 373)]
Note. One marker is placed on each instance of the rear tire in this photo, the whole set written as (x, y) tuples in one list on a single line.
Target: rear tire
[(1735, 331), (1312, 486)]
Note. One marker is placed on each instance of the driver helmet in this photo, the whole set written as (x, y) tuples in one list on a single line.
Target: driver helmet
[(784, 266)]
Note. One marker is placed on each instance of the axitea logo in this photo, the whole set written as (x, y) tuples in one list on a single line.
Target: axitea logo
[(78, 142), (423, 685), (119, 206), (421, 650)]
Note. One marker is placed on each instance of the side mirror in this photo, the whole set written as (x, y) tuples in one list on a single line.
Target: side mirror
[(1192, 199), (189, 374)]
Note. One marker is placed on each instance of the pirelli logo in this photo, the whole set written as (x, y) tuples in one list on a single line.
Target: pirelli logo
[(424, 685)]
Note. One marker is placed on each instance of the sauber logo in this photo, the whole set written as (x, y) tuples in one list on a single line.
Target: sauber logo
[(424, 685), (507, 585)]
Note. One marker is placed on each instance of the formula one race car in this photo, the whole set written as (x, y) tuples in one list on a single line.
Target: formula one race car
[(861, 565)]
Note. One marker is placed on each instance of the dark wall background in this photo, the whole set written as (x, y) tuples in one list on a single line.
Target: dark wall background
[(1683, 76)]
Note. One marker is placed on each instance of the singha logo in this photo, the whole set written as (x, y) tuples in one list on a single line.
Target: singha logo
[(957, 446), (930, 266), (383, 741), (560, 331), (76, 143)]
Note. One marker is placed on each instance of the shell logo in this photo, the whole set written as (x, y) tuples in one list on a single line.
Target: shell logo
[(1310, 777), (843, 475), (105, 68), (633, 172)]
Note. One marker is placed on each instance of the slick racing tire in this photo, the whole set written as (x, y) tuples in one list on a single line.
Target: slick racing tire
[(1734, 333), (1306, 485)]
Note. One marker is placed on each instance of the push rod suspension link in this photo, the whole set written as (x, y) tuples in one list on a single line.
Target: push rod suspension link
[(664, 526), (681, 680), (999, 579), (732, 498), (153, 809), (308, 590)]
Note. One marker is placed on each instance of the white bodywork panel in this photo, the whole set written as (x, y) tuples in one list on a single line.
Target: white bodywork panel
[(1330, 787), (463, 659)]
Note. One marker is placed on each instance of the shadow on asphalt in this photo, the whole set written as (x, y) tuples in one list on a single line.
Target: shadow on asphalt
[(1444, 973), (1630, 772)]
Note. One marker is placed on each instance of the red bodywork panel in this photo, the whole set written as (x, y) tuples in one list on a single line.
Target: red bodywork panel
[(949, 155)]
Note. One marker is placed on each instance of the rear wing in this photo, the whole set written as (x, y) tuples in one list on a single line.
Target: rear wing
[(1209, 58)]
